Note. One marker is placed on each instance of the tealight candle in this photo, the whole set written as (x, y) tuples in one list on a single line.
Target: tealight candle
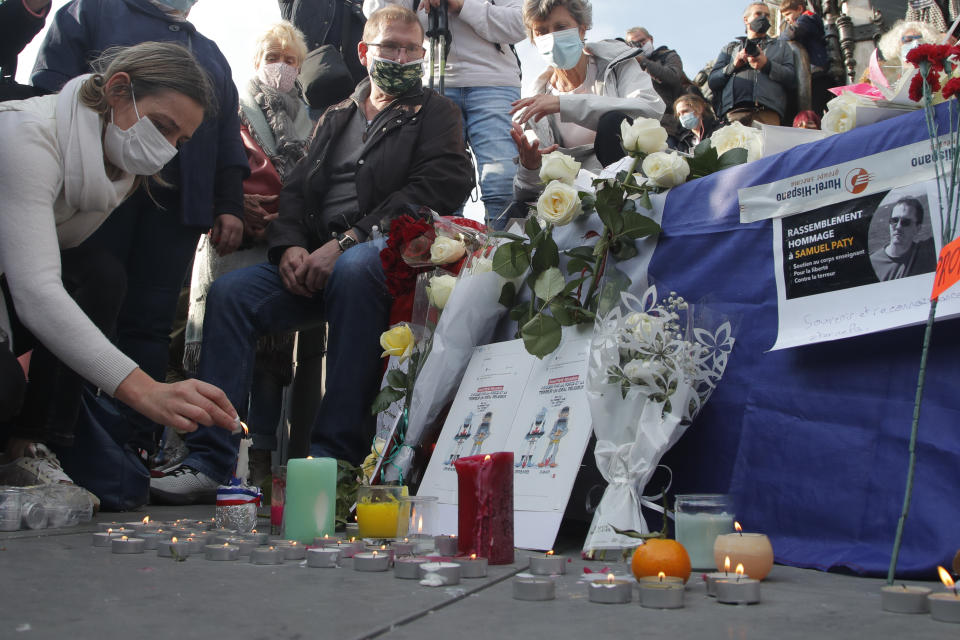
[(945, 607), (173, 548), (711, 578), (446, 545), (292, 550), (610, 591), (661, 595), (371, 561), (737, 590), (266, 555), (904, 599), (325, 540), (221, 552), (244, 545), (196, 544), (381, 549), (261, 537), (752, 550), (548, 564), (472, 567), (529, 587), (402, 547), (123, 544), (324, 557), (439, 574), (152, 539), (408, 567), (109, 526), (103, 538)]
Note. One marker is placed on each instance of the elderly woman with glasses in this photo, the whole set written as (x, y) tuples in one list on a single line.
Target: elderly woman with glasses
[(587, 91)]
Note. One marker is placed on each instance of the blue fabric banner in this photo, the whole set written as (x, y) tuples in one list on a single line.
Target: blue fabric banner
[(812, 442)]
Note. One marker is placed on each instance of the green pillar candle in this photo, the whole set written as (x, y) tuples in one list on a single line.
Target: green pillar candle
[(311, 498)]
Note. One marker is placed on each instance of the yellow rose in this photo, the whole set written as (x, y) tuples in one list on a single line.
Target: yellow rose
[(445, 250), (397, 341), (559, 204), (439, 290), (558, 166)]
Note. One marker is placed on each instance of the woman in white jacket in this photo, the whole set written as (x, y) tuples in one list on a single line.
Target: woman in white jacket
[(66, 162), (584, 82)]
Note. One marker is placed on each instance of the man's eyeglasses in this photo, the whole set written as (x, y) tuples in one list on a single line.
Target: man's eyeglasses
[(392, 52), (638, 43), (903, 222), (909, 39)]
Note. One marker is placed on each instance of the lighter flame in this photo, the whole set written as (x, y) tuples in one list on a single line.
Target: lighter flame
[(945, 578), (736, 525), (726, 564), (661, 576), (739, 571)]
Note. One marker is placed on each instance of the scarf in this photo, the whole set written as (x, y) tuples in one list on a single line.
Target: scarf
[(280, 110), (86, 187)]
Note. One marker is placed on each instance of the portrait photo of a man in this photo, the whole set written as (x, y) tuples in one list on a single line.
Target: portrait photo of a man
[(905, 253)]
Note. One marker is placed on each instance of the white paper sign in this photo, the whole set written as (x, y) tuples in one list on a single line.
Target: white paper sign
[(512, 401)]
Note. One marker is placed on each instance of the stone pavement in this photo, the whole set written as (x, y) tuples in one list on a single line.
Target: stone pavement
[(55, 584)]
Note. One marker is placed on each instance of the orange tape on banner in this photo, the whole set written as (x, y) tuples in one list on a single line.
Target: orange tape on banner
[(948, 269)]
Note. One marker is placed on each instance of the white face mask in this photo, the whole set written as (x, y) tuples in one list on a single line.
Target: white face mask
[(647, 48), (278, 75), (560, 49), (141, 150)]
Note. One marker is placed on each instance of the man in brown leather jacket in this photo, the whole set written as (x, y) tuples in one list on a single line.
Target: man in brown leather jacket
[(391, 144)]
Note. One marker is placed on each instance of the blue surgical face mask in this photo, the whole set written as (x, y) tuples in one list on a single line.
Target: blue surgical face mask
[(561, 49), (689, 120), (180, 5)]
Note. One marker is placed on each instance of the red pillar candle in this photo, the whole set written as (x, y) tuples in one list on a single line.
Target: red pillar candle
[(485, 506)]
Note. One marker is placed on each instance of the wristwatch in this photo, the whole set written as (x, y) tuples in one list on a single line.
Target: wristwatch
[(346, 241)]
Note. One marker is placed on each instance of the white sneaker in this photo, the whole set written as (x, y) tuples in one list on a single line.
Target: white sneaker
[(183, 485), (37, 465)]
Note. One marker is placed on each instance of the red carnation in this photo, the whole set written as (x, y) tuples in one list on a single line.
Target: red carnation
[(951, 89), (916, 88), (933, 54)]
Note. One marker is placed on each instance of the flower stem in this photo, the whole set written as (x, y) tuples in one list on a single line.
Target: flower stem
[(908, 492)]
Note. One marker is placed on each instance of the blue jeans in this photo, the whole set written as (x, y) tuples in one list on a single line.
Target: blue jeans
[(247, 303), (486, 121)]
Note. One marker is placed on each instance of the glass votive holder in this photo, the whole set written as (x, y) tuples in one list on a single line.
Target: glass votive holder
[(700, 518), (378, 510), (418, 517), (10, 500)]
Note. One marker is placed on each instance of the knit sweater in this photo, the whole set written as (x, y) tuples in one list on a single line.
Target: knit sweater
[(35, 223)]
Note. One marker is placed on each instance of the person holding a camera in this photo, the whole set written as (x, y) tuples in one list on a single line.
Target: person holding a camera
[(752, 74)]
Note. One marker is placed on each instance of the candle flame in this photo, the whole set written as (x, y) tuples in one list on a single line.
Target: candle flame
[(420, 525), (353, 539), (661, 576), (486, 457), (272, 548), (550, 553), (610, 578), (406, 540), (374, 554), (109, 530), (739, 570), (736, 525), (123, 537), (173, 539), (726, 564), (383, 547), (293, 543), (473, 556), (254, 531), (309, 457), (945, 578), (246, 431), (145, 520)]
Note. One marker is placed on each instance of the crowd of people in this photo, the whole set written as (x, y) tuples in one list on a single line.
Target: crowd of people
[(132, 164)]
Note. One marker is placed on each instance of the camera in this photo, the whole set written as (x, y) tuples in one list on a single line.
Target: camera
[(751, 48)]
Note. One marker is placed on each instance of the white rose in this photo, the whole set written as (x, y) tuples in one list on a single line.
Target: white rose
[(445, 250), (841, 115), (439, 289), (558, 204), (645, 327), (734, 136), (666, 169), (645, 135), (643, 371), (558, 166), (481, 265)]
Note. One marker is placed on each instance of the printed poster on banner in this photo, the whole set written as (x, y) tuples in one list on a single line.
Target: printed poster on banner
[(859, 266), (510, 400)]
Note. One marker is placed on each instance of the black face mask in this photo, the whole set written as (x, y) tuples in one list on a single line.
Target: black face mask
[(760, 25)]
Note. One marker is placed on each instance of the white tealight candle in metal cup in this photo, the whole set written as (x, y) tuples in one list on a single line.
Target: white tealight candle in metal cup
[(734, 591), (292, 550), (261, 537), (446, 545), (152, 539), (123, 544), (403, 547), (325, 540), (372, 561), (529, 587), (196, 544), (903, 599), (945, 607), (173, 547), (382, 549), (323, 557), (112, 526), (472, 567), (610, 590), (439, 574), (266, 555), (244, 544), (710, 578), (661, 595), (103, 538), (548, 564), (221, 552), (408, 567)]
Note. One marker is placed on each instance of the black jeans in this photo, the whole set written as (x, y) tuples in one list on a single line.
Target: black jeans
[(608, 145), (96, 281)]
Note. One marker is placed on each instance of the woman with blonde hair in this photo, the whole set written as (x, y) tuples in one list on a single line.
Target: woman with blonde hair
[(67, 161)]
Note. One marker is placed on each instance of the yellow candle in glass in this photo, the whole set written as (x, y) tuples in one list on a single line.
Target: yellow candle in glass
[(378, 519)]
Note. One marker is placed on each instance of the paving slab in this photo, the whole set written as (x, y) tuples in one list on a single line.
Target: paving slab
[(57, 585)]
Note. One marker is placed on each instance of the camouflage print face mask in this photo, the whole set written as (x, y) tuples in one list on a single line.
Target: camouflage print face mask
[(395, 78)]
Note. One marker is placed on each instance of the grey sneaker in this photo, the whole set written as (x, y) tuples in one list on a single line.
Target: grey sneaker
[(183, 485), (38, 466)]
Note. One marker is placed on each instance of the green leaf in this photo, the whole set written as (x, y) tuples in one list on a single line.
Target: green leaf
[(624, 249), (584, 252), (644, 201), (386, 397), (609, 203), (541, 335), (397, 378), (577, 265), (505, 234), (705, 149), (615, 282), (573, 284), (512, 259), (636, 225), (732, 157), (508, 295), (565, 310), (549, 283), (521, 314), (532, 228), (588, 202), (547, 255)]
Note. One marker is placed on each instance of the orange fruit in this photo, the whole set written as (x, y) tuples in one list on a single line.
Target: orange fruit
[(659, 554)]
